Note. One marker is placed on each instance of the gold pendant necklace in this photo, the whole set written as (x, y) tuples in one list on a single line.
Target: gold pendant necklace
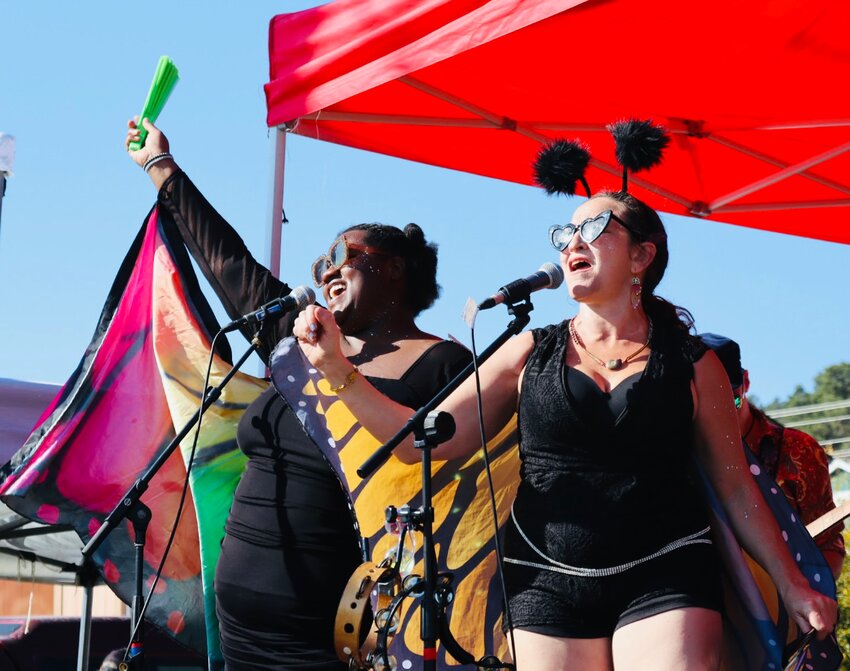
[(611, 364)]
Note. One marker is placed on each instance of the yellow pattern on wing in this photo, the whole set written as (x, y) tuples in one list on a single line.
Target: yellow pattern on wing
[(464, 533)]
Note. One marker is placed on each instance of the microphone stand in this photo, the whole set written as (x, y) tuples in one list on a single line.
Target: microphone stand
[(429, 430), (139, 515)]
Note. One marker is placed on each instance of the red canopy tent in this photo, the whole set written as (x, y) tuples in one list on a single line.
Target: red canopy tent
[(751, 91)]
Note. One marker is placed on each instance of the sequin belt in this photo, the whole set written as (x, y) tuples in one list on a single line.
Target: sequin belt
[(700, 537)]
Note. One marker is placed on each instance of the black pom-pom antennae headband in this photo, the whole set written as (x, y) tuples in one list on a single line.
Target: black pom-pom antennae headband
[(561, 164), (639, 145)]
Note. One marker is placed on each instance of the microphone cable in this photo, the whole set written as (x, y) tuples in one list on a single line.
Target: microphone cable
[(182, 501), (496, 540)]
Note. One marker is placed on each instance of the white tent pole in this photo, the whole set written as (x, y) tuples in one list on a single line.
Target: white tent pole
[(276, 219), (790, 171), (782, 205), (735, 146), (86, 579), (505, 122)]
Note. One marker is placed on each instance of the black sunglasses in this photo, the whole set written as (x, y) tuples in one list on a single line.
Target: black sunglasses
[(589, 230)]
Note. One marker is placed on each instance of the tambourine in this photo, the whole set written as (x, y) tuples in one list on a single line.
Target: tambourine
[(355, 605)]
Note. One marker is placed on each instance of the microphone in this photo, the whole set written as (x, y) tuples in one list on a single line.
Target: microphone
[(297, 300), (549, 276)]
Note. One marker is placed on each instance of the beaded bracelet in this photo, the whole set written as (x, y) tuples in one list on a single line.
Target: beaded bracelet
[(156, 159), (349, 380)]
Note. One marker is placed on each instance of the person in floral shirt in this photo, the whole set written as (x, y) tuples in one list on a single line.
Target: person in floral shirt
[(793, 458)]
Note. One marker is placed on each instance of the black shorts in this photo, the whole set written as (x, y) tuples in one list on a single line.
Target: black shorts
[(554, 604)]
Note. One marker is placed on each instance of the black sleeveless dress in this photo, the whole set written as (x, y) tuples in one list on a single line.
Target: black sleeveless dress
[(290, 544), (609, 523)]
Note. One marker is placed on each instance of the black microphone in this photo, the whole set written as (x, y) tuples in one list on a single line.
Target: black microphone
[(298, 299), (549, 276)]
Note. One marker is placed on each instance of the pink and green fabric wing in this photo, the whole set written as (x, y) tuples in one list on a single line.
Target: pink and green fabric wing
[(141, 376)]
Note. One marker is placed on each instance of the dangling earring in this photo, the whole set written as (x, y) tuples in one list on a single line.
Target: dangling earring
[(636, 292)]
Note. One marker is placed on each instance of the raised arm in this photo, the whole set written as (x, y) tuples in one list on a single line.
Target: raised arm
[(239, 280), (718, 445), (156, 150), (320, 339)]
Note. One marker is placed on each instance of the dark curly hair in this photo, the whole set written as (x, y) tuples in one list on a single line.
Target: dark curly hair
[(647, 226), (420, 260)]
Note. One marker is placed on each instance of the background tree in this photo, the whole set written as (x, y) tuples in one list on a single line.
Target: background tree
[(831, 384)]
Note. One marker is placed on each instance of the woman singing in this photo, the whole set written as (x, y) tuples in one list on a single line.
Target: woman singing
[(609, 561)]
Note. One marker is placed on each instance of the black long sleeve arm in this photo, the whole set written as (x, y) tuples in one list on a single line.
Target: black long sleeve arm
[(238, 279)]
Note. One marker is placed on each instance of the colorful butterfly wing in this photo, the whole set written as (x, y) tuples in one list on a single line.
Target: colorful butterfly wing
[(141, 376), (464, 533)]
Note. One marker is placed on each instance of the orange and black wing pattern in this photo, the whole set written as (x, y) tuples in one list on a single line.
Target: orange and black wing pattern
[(464, 531)]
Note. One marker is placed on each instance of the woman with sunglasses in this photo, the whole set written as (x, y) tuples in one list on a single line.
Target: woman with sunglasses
[(290, 545), (609, 561)]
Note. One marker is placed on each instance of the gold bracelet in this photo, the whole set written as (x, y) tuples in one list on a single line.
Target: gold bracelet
[(349, 380)]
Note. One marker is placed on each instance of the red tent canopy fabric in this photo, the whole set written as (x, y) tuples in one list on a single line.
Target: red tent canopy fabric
[(752, 93)]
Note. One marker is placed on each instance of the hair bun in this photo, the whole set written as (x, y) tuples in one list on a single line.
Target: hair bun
[(414, 235)]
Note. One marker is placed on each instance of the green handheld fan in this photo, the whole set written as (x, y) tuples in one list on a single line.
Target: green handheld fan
[(163, 83)]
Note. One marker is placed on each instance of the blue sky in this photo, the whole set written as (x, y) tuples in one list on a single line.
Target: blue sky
[(73, 73)]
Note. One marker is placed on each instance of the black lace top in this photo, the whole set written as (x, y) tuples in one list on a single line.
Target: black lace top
[(598, 490)]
